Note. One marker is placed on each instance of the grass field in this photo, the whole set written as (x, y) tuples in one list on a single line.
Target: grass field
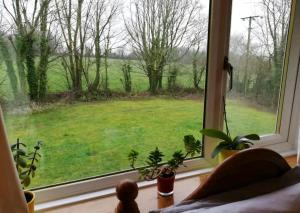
[(88, 139), (57, 81)]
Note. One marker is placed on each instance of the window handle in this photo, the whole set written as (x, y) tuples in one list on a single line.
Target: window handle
[(229, 68)]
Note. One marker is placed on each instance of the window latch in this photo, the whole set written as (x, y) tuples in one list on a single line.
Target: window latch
[(229, 68)]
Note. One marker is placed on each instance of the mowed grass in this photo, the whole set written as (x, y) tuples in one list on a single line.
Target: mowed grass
[(89, 139)]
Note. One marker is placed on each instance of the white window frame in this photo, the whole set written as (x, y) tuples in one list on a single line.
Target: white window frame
[(219, 35), (82, 187), (284, 140)]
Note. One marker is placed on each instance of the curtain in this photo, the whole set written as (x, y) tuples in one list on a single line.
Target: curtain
[(12, 199), (298, 147)]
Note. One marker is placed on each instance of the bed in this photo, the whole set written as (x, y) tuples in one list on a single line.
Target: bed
[(254, 180)]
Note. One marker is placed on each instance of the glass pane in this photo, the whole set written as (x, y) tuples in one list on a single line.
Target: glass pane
[(257, 47), (93, 86)]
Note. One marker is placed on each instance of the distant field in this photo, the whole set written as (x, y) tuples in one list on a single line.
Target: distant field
[(88, 139), (57, 80)]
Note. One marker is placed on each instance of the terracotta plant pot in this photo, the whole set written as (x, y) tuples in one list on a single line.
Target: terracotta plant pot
[(223, 155), (165, 185), (30, 198)]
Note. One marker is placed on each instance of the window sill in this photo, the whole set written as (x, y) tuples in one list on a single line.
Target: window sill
[(41, 207), (108, 192)]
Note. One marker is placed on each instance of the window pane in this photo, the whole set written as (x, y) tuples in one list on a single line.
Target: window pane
[(257, 47), (129, 76)]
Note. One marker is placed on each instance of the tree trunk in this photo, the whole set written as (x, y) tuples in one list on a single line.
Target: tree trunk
[(30, 64), (20, 60), (44, 55), (96, 82), (11, 73), (153, 81), (160, 80), (195, 74)]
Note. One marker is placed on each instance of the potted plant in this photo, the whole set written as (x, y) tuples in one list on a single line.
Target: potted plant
[(165, 172), (26, 164), (228, 145)]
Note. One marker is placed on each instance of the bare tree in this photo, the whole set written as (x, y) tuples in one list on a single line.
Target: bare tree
[(199, 33), (156, 29), (273, 30), (237, 58), (103, 16), (84, 26), (106, 53), (69, 15), (30, 23), (44, 51), (7, 58)]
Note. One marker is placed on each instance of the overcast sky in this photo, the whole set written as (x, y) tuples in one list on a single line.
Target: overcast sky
[(240, 9)]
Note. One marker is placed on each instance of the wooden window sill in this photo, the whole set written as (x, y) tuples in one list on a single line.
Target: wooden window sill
[(148, 199)]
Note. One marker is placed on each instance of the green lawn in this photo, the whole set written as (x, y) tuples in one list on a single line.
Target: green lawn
[(89, 139)]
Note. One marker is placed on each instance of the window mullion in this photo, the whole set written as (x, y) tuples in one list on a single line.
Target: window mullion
[(218, 47)]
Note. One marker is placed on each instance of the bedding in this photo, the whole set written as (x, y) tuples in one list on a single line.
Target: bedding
[(281, 194)]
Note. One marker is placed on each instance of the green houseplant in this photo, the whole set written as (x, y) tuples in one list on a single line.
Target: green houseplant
[(165, 172), (228, 145), (26, 165)]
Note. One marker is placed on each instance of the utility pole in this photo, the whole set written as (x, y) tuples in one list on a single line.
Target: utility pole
[(250, 19)]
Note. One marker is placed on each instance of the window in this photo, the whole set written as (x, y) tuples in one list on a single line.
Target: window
[(91, 83), (109, 87), (258, 42), (284, 134)]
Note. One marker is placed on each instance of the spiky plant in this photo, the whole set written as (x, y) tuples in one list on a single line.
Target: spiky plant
[(155, 166)]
